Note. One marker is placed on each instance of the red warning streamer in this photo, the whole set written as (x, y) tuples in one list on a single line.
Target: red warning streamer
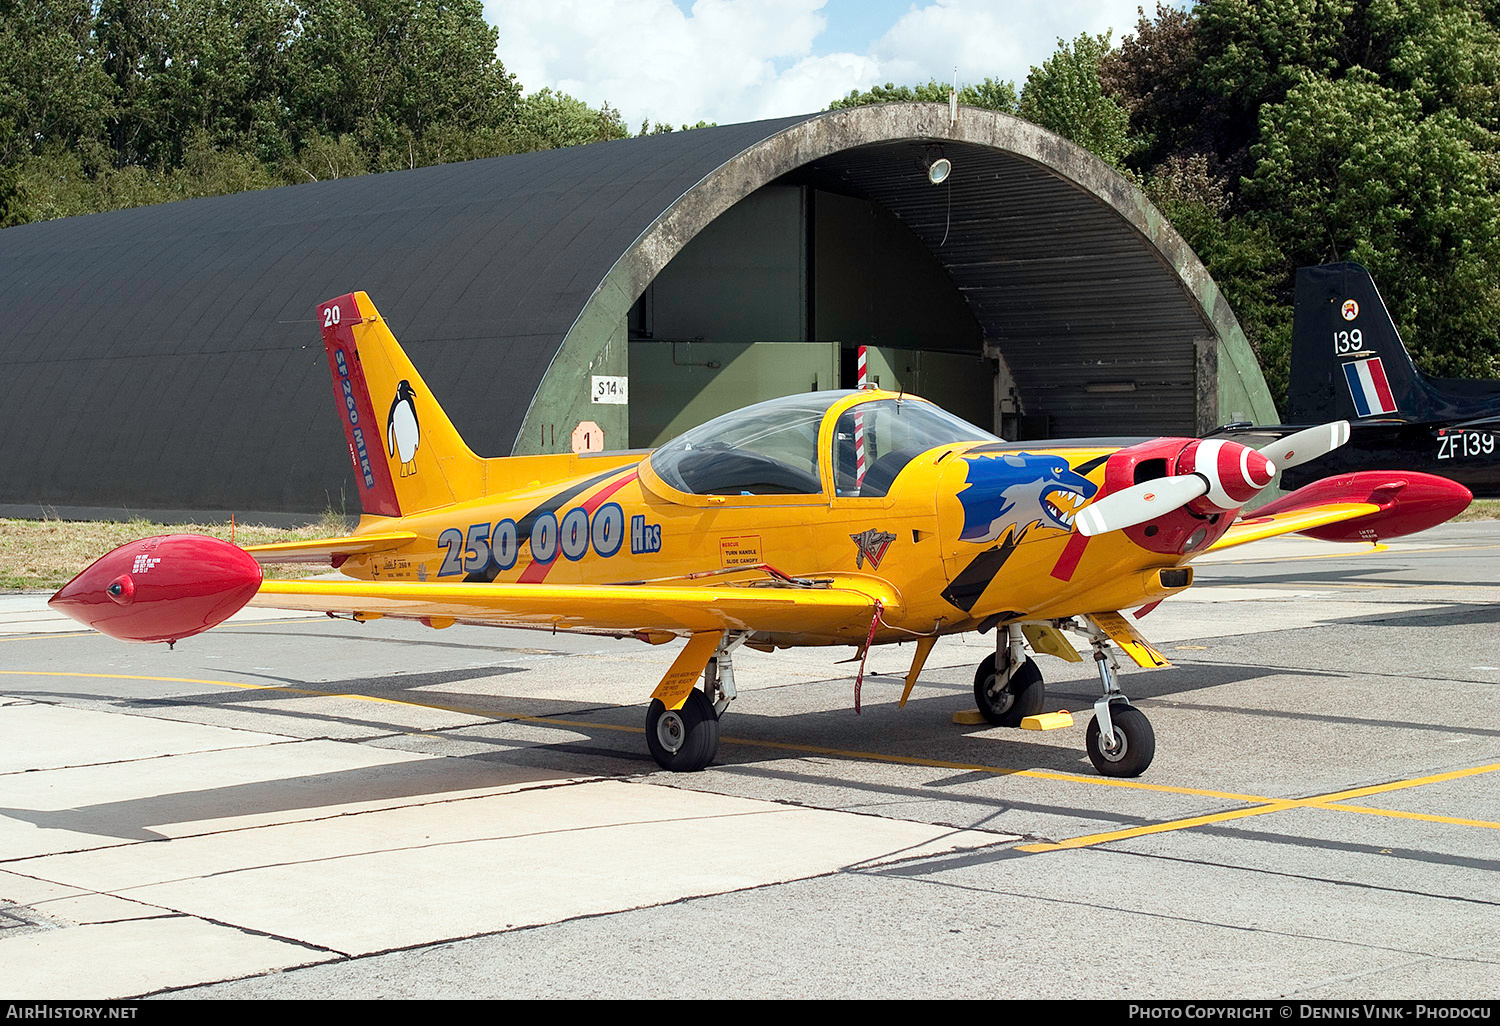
[(859, 678)]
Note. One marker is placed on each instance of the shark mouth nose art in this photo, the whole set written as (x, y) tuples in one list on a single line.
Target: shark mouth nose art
[(1063, 505)]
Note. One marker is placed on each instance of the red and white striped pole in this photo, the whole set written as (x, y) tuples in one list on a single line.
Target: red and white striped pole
[(859, 426)]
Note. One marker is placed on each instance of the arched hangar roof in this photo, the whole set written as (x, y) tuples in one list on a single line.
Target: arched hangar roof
[(166, 357)]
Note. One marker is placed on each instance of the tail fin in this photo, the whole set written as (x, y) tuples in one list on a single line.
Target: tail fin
[(1348, 360), (407, 455)]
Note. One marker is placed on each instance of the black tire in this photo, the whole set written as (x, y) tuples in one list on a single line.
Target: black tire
[(683, 740), (1137, 743), (1023, 697)]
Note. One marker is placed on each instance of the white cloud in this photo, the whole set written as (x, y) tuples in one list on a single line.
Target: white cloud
[(739, 60), (978, 38)]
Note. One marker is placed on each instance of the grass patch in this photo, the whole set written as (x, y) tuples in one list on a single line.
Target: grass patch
[(1480, 509), (48, 553)]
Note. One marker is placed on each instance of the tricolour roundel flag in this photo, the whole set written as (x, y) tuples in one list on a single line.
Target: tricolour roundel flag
[(1369, 387)]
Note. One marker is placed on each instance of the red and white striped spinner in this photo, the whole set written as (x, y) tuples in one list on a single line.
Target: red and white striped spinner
[(1235, 473)]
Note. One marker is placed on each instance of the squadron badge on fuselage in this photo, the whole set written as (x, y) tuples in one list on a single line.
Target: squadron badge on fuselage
[(872, 545)]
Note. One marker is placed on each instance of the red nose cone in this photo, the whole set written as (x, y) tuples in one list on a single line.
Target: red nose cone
[(1256, 472), (161, 589)]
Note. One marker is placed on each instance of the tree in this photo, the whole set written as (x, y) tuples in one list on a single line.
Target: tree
[(991, 94), (388, 70), (1353, 169), (1153, 75), (13, 196), (1065, 95), (225, 77), (659, 128), (547, 120), (53, 90), (136, 42), (1445, 53), (1284, 133)]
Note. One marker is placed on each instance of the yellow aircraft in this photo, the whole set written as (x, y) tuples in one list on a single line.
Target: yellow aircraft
[(829, 518)]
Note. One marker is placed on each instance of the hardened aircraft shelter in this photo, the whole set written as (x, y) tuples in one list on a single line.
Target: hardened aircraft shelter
[(166, 358)]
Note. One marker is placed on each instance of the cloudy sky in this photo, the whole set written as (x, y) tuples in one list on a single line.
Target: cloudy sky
[(738, 60)]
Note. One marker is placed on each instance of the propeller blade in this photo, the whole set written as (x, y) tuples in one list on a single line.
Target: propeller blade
[(1307, 444), (1138, 503)]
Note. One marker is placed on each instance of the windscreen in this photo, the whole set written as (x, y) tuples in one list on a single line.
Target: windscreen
[(770, 448)]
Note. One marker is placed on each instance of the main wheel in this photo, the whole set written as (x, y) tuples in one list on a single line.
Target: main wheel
[(1008, 706), (683, 740), (1135, 743)]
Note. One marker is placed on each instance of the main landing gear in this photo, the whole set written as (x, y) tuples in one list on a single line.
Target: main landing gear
[(1008, 688), (686, 739), (1007, 685)]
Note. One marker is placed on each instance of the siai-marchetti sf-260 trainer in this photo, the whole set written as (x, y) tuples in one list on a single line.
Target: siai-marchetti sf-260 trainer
[(830, 518)]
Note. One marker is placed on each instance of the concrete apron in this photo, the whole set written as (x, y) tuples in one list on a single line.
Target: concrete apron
[(109, 831), (140, 853)]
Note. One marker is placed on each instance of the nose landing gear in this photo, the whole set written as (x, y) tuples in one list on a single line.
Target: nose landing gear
[(1008, 688), (1120, 740), (1133, 748)]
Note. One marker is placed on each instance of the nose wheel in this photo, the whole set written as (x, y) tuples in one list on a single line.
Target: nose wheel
[(1008, 688), (1131, 748), (1120, 740)]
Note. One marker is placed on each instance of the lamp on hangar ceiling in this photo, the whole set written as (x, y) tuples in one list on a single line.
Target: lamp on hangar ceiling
[(938, 166)]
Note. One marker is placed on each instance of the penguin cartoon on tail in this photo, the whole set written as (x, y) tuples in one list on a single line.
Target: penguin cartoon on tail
[(402, 433)]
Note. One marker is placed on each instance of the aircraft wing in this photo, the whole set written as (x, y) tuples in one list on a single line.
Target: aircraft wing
[(1256, 528), (831, 612)]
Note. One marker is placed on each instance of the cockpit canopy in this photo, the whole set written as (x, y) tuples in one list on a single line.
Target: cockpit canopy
[(772, 448)]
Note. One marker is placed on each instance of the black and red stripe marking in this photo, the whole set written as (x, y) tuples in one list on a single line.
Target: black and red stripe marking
[(537, 572)]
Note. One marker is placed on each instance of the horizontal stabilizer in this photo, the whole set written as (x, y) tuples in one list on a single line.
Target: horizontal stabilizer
[(327, 551)]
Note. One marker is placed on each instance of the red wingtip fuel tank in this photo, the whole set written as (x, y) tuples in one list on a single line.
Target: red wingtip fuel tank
[(1409, 502), (161, 589)]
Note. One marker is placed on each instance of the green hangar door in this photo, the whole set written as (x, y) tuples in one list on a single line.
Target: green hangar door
[(776, 296)]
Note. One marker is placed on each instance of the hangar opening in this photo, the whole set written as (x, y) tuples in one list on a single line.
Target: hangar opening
[(777, 295)]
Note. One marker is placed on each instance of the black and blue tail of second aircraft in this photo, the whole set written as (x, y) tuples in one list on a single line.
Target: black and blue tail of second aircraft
[(1349, 363), (1348, 360)]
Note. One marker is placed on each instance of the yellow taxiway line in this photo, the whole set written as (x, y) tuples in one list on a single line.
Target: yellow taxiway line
[(1332, 802)]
